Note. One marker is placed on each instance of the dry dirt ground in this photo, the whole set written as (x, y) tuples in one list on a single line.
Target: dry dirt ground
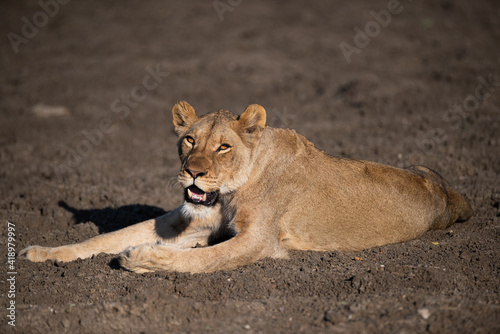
[(87, 147)]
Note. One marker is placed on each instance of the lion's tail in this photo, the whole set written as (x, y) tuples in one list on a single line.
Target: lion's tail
[(458, 208)]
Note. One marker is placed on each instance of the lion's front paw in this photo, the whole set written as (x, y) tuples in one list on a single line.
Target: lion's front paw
[(147, 258), (136, 258), (36, 253)]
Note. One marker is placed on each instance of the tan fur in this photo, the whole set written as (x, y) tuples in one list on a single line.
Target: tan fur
[(277, 192)]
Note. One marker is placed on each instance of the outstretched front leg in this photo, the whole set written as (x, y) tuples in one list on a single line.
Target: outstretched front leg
[(169, 228), (245, 248)]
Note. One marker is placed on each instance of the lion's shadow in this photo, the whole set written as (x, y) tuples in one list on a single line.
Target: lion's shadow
[(112, 219)]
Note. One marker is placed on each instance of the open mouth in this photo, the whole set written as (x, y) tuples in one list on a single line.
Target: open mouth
[(195, 195)]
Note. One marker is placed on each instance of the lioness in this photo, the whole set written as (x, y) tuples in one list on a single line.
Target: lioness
[(253, 191)]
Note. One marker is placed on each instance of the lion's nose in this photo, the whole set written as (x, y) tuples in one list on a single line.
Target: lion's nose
[(195, 173)]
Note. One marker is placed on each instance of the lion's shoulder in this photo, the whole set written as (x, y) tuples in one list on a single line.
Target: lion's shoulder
[(288, 143)]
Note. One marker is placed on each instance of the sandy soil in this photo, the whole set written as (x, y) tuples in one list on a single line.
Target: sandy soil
[(87, 147)]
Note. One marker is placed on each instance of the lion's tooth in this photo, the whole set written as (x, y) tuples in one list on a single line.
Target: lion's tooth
[(190, 194), (204, 197)]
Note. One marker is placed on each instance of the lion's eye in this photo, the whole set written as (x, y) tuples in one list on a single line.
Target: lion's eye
[(190, 140), (223, 147)]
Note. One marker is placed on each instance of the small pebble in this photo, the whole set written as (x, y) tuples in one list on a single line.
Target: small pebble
[(44, 111), (424, 313)]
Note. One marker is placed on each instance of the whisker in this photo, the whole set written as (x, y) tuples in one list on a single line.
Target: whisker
[(173, 183)]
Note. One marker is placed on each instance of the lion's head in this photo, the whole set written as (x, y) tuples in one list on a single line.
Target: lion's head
[(216, 150)]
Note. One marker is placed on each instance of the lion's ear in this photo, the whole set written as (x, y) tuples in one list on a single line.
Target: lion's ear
[(253, 118), (183, 117)]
